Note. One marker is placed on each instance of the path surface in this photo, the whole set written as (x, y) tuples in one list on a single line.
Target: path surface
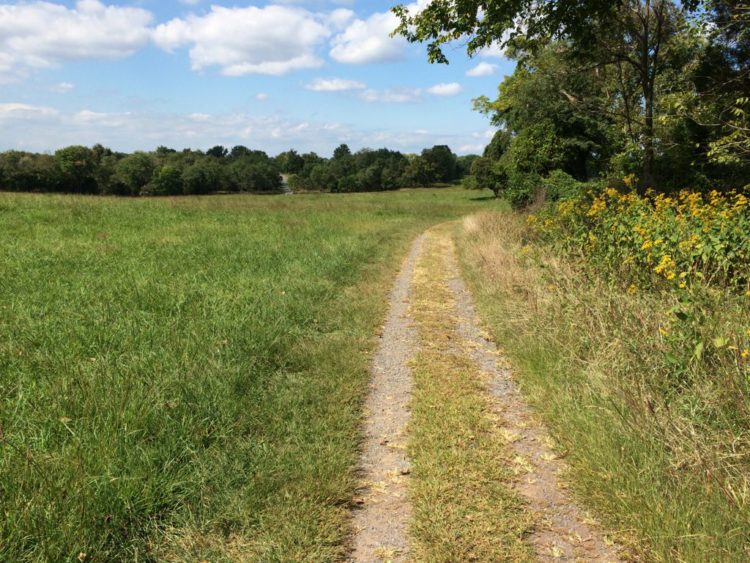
[(381, 521), (382, 518)]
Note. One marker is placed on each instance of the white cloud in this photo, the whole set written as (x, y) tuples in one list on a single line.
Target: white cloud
[(334, 85), (63, 87), (470, 149), (271, 40), (493, 51), (392, 96), (368, 41), (39, 128), (42, 34), (449, 89), (482, 69), (261, 97), (16, 111)]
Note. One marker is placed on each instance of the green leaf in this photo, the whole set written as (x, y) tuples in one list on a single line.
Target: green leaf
[(698, 352)]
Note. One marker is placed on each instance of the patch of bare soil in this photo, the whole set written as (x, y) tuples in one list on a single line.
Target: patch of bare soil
[(381, 519)]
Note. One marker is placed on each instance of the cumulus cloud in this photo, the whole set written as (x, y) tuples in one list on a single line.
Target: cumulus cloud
[(42, 34), (368, 41), (392, 96), (334, 85), (482, 69), (271, 40), (493, 51), (449, 89), (261, 97)]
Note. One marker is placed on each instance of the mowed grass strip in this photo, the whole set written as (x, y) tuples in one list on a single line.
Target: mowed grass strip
[(182, 378), (588, 357), (465, 508)]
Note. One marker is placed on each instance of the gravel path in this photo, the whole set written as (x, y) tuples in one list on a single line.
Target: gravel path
[(382, 513), (381, 518)]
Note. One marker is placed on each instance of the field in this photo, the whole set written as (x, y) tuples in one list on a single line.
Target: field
[(182, 378)]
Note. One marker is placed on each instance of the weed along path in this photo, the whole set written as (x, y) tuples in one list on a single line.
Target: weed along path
[(455, 466)]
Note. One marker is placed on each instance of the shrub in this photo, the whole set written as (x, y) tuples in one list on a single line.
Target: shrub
[(681, 242)]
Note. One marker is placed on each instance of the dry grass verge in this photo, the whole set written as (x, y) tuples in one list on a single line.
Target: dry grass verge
[(662, 461)]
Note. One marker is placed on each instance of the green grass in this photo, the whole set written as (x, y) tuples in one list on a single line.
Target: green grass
[(182, 378), (664, 464), (465, 505)]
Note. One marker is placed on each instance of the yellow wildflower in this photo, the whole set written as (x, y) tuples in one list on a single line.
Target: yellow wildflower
[(597, 207)]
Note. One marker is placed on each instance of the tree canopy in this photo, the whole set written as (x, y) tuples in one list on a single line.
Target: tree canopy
[(659, 89)]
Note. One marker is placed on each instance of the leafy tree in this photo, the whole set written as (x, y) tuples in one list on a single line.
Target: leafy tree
[(444, 161), (463, 164), (202, 177), (77, 165), (420, 172), (290, 162), (636, 37), (248, 175), (134, 172), (341, 152), (167, 181), (217, 152)]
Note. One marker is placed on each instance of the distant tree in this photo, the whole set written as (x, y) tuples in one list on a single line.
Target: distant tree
[(444, 161), (290, 162), (202, 177), (487, 175), (463, 165), (321, 177), (342, 151), (167, 181), (217, 152), (134, 172), (247, 175), (77, 165), (420, 172)]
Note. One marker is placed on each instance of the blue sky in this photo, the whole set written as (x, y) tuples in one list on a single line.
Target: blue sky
[(305, 74)]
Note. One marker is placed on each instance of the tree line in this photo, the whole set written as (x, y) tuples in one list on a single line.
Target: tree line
[(165, 171), (657, 90)]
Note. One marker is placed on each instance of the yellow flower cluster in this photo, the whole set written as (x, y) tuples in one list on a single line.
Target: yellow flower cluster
[(680, 240)]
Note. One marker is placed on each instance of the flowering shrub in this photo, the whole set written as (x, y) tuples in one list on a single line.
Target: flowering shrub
[(696, 246), (656, 240)]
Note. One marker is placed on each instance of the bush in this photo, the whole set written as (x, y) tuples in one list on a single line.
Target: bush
[(561, 186), (682, 241)]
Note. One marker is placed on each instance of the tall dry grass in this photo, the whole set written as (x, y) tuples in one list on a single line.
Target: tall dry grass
[(657, 436)]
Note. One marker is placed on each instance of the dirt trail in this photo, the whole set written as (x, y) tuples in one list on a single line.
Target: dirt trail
[(565, 532), (382, 518), (381, 521)]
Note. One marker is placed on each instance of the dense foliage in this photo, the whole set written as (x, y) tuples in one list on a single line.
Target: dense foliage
[(372, 170), (98, 170), (655, 88)]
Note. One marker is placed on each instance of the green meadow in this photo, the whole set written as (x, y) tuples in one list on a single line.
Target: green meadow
[(182, 378)]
